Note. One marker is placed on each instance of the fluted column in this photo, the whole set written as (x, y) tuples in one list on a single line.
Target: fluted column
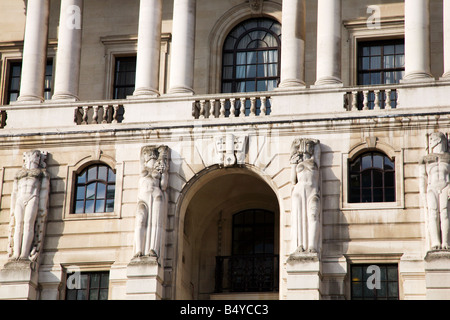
[(329, 42), (446, 40), (149, 48), (417, 40), (34, 51), (293, 44), (183, 47), (67, 74)]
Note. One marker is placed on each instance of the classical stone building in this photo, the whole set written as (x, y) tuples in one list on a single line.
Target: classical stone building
[(232, 149)]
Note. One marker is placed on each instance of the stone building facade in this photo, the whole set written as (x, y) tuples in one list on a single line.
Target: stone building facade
[(233, 149)]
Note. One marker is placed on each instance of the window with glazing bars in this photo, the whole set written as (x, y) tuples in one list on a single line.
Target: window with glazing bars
[(95, 190), (388, 281), (371, 179), (251, 56), (380, 62), (14, 76), (89, 286), (124, 77)]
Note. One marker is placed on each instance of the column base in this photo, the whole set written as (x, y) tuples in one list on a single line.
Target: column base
[(19, 281), (304, 276), (65, 97), (417, 77), (144, 279), (291, 84), (144, 93), (328, 82), (181, 91), (28, 99), (445, 77), (437, 275)]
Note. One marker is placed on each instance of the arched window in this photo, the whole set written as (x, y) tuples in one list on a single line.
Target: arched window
[(251, 56), (372, 178), (95, 189)]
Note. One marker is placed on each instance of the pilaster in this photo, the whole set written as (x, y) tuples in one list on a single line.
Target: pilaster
[(304, 277), (437, 275), (19, 281), (144, 279)]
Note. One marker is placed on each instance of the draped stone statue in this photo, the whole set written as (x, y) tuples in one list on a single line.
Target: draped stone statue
[(29, 207), (306, 204), (435, 190), (152, 200)]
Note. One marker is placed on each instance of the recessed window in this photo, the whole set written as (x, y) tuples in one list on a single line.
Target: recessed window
[(48, 80), (95, 190), (14, 78), (372, 179), (88, 286), (124, 77), (364, 285), (379, 63)]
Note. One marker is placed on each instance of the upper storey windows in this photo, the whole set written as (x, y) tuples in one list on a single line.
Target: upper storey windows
[(381, 62), (251, 57)]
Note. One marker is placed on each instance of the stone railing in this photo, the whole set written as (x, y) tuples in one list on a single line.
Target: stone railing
[(232, 107), (98, 114), (371, 98)]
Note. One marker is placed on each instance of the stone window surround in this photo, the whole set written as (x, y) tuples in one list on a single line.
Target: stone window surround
[(357, 30), (12, 52), (74, 169), (68, 268), (126, 45), (374, 146), (372, 259)]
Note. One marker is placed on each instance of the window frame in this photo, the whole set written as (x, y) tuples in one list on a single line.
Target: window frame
[(115, 86), (360, 172), (365, 276), (88, 288), (8, 79), (373, 145), (233, 80), (107, 183), (74, 169)]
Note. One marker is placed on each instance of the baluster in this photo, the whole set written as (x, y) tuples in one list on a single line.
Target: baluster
[(388, 99), (222, 108), (366, 100), (243, 100), (105, 114), (377, 100), (212, 107), (85, 115), (115, 113), (202, 109), (252, 106), (95, 115), (232, 107), (354, 101), (263, 107)]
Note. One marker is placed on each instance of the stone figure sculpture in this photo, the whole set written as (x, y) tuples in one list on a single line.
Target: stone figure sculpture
[(29, 207), (152, 200), (306, 204), (435, 190)]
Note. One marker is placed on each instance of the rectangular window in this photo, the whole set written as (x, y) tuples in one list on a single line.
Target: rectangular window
[(379, 63), (124, 77), (48, 80), (374, 282), (13, 85), (87, 286)]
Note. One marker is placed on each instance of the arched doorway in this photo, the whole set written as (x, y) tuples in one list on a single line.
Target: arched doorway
[(228, 237)]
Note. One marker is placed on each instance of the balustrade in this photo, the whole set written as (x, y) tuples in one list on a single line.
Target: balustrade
[(371, 99), (98, 114), (231, 107)]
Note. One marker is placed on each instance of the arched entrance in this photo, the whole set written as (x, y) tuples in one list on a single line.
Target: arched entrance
[(228, 237)]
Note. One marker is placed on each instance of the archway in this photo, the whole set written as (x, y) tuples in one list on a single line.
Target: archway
[(218, 211)]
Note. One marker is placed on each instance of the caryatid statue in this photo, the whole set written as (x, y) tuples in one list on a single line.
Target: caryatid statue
[(306, 204), (435, 190), (152, 200), (29, 207)]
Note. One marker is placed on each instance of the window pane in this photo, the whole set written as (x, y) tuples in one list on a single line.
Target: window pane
[(228, 59), (100, 206), (378, 161), (103, 294), (90, 191), (90, 206), (81, 193), (251, 71), (93, 294), (109, 206), (366, 162), (95, 280)]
